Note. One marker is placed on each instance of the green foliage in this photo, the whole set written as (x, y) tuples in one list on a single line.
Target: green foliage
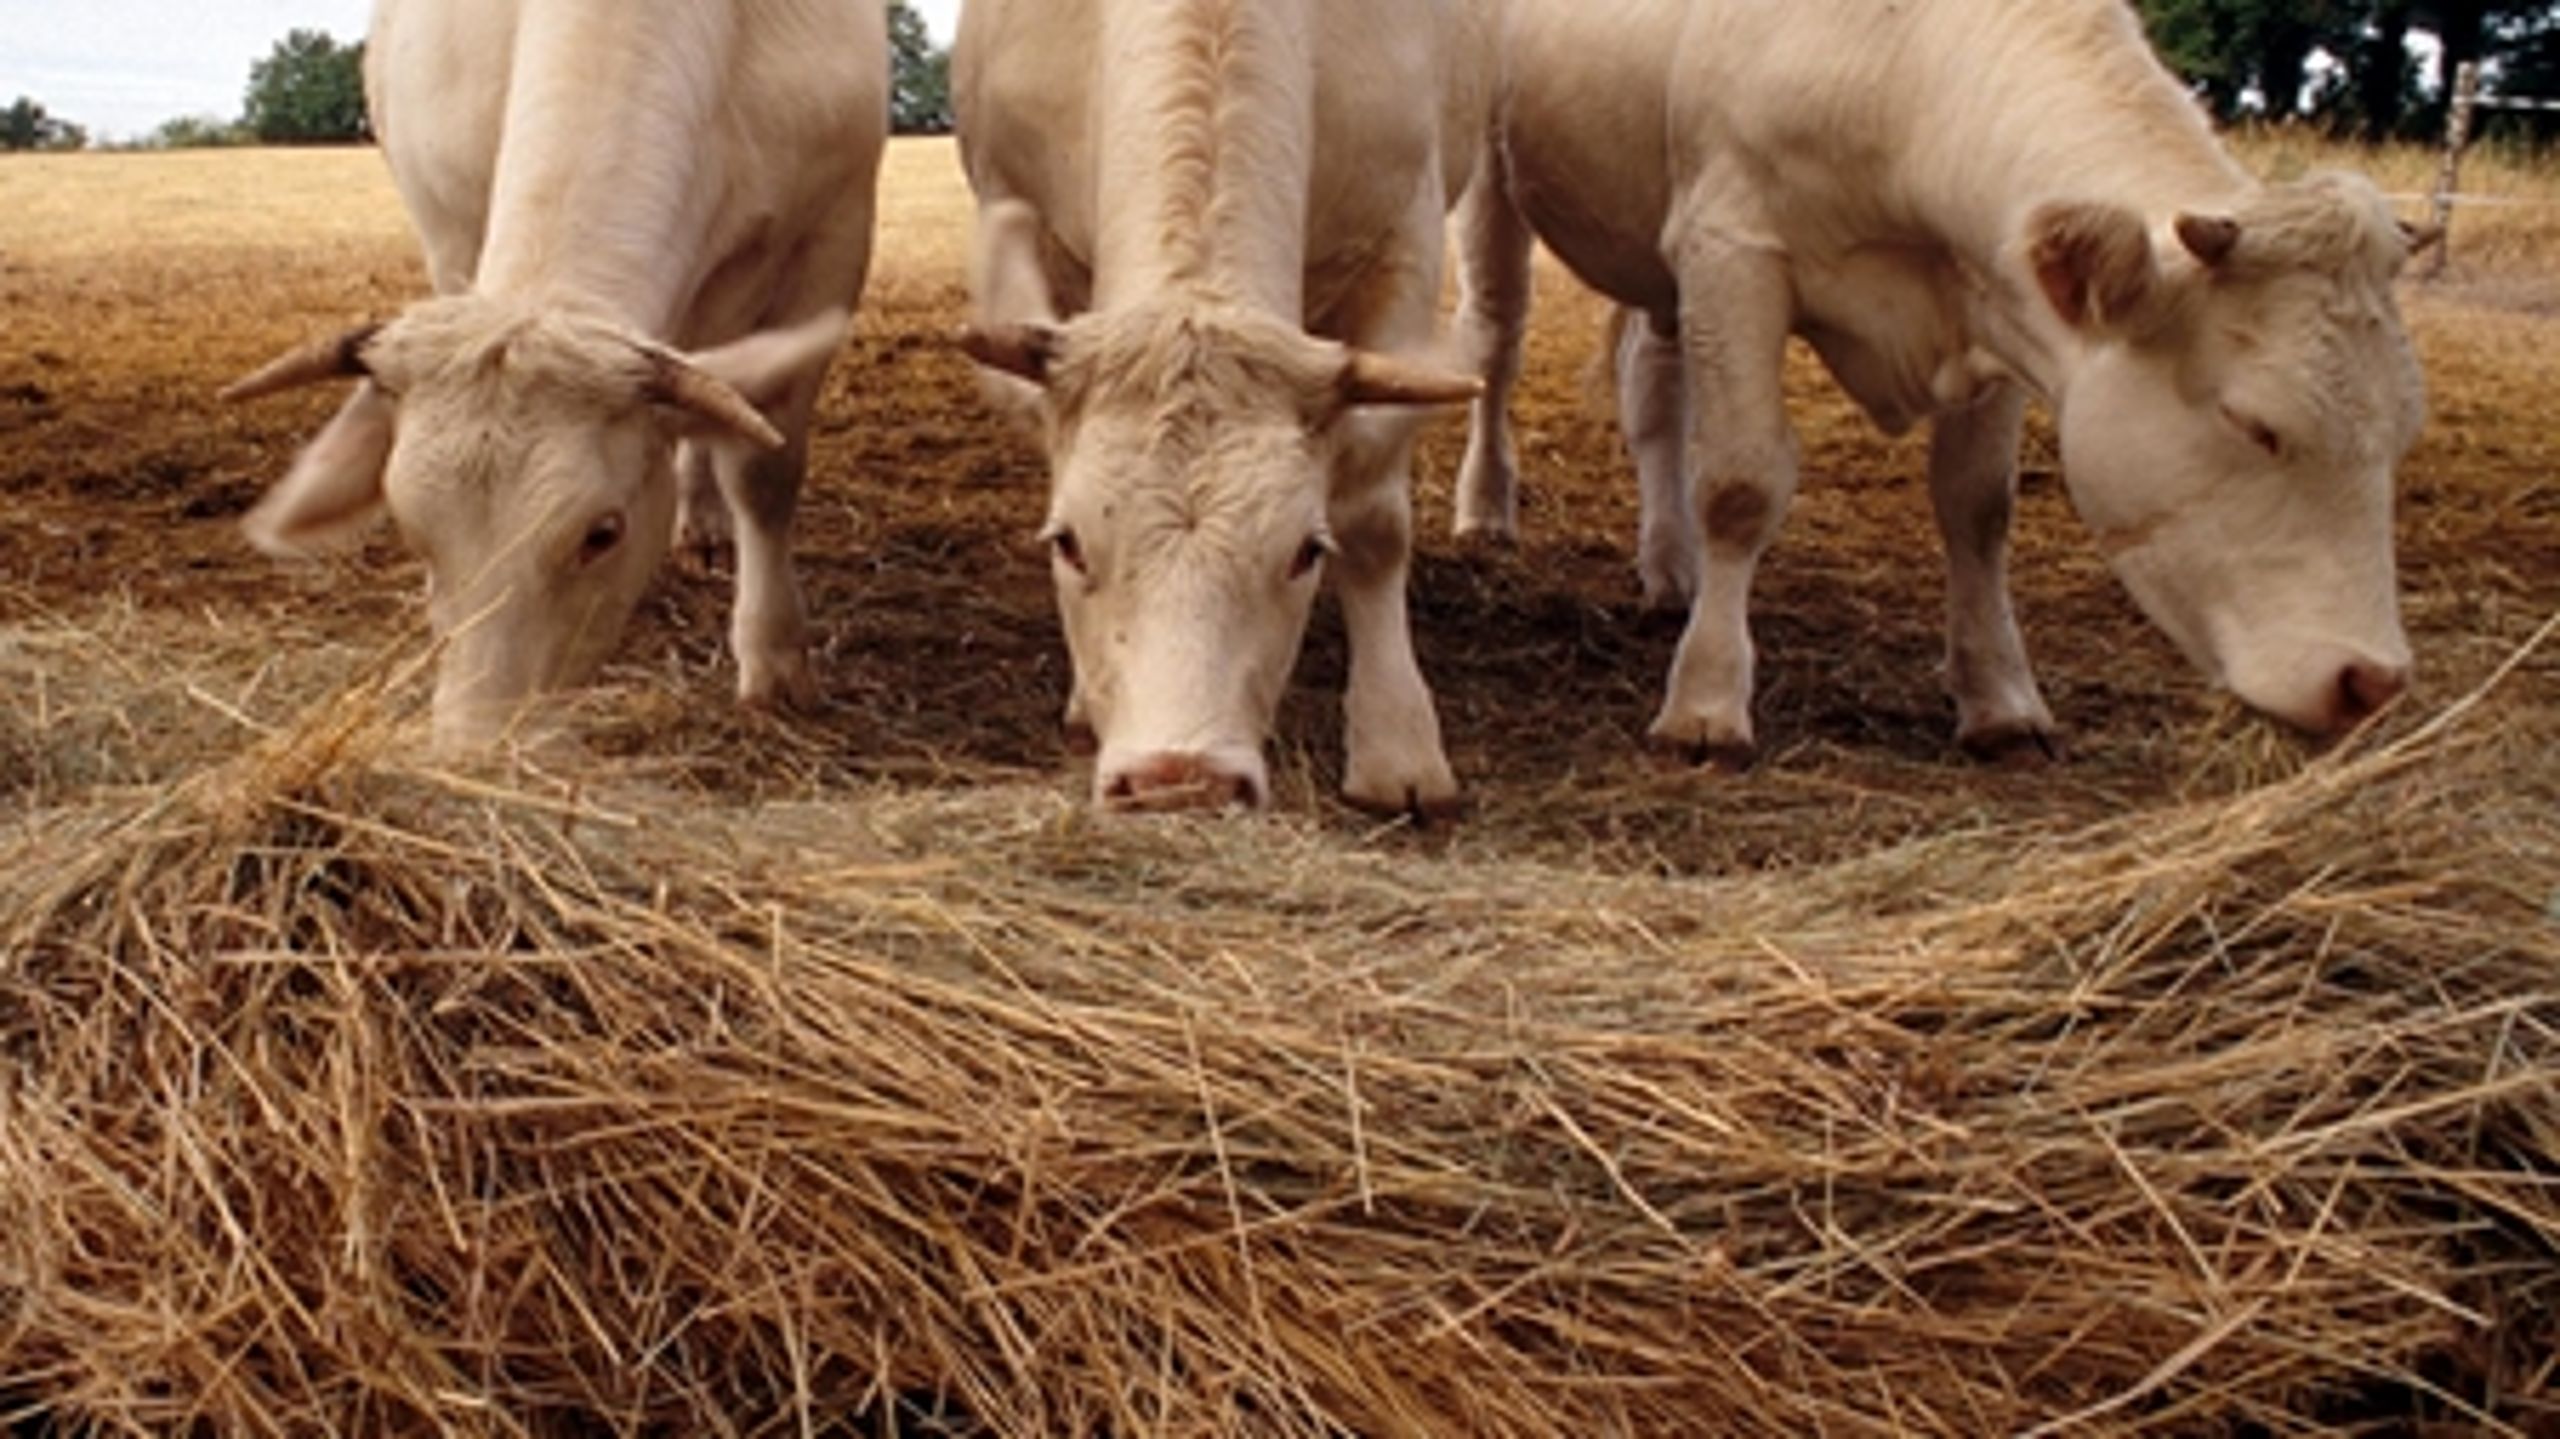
[(26, 126), (2252, 56), (308, 91), (920, 76), (197, 132)]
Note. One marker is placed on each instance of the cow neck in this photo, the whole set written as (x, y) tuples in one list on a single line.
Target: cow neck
[(2107, 125), (1207, 138), (598, 188)]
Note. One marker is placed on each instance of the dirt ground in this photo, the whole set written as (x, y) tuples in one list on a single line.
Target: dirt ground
[(133, 286)]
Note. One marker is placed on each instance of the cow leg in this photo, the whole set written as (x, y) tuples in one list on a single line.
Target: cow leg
[(1493, 311), (1391, 731), (1652, 412), (1742, 477), (702, 515), (768, 625), (1973, 482)]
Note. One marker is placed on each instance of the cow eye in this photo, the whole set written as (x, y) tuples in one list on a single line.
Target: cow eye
[(1310, 554), (1069, 550), (2258, 432), (601, 538)]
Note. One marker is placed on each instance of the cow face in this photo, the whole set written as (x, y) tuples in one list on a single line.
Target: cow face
[(2232, 431), (1191, 450), (525, 457)]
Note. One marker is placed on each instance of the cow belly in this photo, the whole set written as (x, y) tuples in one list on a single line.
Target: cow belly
[(1615, 255), (1888, 323)]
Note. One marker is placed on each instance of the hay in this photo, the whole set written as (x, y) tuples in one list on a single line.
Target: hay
[(348, 1095)]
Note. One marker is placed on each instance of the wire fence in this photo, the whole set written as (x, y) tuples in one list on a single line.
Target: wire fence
[(2447, 195)]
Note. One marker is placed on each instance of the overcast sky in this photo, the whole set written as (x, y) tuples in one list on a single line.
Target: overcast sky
[(120, 67)]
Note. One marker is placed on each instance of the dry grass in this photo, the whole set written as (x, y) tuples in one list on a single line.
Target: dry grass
[(843, 1073)]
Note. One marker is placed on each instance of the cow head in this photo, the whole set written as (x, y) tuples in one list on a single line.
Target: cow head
[(524, 455), (2244, 395), (1191, 447)]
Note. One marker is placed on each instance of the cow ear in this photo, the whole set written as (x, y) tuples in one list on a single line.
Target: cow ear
[(2095, 265), (1373, 379), (1024, 351), (334, 489)]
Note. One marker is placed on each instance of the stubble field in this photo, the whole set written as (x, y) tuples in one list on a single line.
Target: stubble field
[(841, 1068)]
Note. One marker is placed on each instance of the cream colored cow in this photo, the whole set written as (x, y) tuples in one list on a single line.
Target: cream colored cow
[(1240, 205), (1962, 203), (644, 219)]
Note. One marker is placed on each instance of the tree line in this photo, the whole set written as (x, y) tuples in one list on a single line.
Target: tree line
[(309, 90), (2346, 65)]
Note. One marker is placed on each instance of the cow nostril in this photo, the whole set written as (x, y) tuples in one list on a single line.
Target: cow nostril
[(1168, 782), (2365, 687)]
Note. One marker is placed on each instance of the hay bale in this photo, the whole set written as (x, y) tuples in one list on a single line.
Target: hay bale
[(350, 1095)]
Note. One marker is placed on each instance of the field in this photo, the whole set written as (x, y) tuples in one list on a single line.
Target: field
[(841, 1069)]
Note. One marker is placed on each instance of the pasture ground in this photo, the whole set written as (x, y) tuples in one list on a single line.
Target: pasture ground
[(174, 707)]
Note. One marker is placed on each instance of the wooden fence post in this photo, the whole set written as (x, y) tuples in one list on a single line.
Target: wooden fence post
[(2457, 136)]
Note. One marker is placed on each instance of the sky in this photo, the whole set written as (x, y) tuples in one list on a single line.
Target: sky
[(120, 67)]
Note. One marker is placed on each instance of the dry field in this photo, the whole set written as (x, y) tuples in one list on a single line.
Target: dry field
[(842, 1073)]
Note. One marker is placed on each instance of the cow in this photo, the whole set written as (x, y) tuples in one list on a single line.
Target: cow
[(1960, 204), (1209, 247), (643, 222)]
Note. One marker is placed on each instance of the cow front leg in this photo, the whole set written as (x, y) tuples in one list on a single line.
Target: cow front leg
[(1741, 479), (768, 623), (1652, 416), (1494, 246), (1393, 762), (1973, 485)]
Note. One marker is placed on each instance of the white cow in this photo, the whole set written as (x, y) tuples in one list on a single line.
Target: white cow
[(644, 219), (1241, 203), (1961, 203)]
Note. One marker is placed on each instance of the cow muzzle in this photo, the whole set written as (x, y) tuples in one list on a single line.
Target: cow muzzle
[(1175, 782)]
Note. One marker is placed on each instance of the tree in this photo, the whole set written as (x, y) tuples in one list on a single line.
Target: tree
[(308, 91), (196, 132), (920, 76), (26, 126)]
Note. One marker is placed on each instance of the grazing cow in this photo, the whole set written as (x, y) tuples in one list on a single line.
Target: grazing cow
[(644, 220), (1241, 205), (1960, 203)]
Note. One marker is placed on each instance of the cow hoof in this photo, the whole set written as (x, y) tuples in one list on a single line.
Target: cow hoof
[(1721, 756), (2014, 746), (1487, 540), (1080, 740), (1424, 811), (785, 689)]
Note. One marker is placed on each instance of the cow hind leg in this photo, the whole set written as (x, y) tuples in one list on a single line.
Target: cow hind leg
[(1742, 478), (1973, 477), (702, 532), (1493, 311)]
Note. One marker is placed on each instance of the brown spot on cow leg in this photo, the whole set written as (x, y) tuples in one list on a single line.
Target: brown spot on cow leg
[(1736, 513)]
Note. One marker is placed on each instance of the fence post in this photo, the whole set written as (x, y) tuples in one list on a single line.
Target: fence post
[(2457, 135)]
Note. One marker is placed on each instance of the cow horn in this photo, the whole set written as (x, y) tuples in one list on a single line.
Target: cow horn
[(686, 387), (2210, 238), (1372, 379), (340, 357)]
